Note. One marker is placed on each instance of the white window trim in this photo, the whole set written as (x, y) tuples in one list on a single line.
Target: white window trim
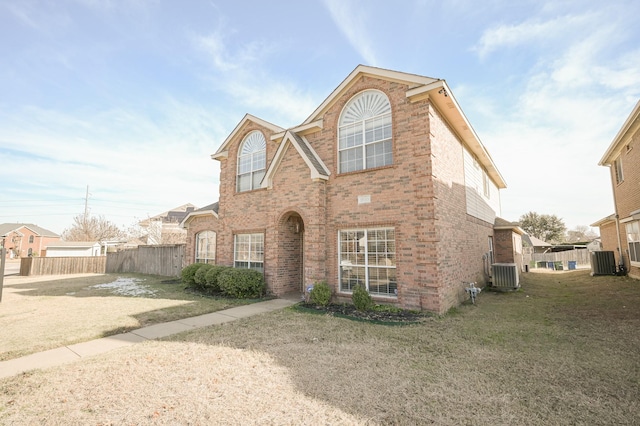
[(204, 259), (363, 121), (253, 239), (366, 265), (636, 236), (253, 171), (619, 172)]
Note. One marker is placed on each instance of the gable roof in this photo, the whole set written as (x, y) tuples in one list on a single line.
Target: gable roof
[(533, 241), (176, 214), (7, 228), (626, 132), (500, 224), (222, 152), (211, 209), (420, 87), (317, 168)]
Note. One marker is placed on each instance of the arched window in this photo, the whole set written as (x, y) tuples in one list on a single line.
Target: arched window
[(364, 134), (252, 159), (206, 247), (30, 239)]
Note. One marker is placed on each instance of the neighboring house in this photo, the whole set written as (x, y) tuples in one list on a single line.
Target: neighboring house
[(74, 249), (385, 185), (595, 245), (164, 228), (25, 239), (620, 232), (535, 245)]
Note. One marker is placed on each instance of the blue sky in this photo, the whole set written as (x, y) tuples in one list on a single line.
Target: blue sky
[(130, 98)]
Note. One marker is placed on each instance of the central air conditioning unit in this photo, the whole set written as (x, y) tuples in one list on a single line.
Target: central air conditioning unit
[(603, 263), (505, 276)]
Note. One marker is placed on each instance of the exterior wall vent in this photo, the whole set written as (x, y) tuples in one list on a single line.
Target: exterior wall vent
[(603, 263), (505, 276)]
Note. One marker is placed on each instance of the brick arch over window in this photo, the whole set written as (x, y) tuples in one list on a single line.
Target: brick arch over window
[(252, 160), (364, 132)]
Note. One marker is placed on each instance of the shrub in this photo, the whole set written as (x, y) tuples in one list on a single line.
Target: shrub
[(320, 294), (241, 283), (211, 278), (200, 276), (362, 299), (188, 274)]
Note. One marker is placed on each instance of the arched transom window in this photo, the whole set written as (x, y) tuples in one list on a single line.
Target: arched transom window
[(206, 247), (252, 159), (364, 135)]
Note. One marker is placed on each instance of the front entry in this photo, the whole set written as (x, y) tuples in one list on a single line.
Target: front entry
[(291, 254)]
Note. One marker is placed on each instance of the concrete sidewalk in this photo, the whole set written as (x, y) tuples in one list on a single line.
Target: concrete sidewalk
[(71, 353)]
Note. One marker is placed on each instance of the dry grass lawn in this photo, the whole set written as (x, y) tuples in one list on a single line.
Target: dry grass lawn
[(39, 313), (561, 351)]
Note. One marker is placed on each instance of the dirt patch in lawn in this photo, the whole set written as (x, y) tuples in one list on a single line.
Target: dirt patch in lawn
[(381, 315)]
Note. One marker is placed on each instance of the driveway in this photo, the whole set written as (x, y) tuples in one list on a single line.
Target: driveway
[(11, 267)]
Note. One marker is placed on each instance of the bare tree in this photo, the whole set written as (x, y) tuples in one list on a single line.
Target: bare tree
[(92, 228), (581, 233)]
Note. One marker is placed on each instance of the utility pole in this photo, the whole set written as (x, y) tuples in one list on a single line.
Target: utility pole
[(3, 259)]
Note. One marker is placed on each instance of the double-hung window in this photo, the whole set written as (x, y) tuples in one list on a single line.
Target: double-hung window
[(618, 169), (364, 134), (367, 257), (633, 240), (252, 160), (206, 247), (248, 251)]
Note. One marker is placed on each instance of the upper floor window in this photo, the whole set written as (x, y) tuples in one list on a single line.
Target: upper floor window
[(618, 166), (364, 133), (252, 160), (30, 238)]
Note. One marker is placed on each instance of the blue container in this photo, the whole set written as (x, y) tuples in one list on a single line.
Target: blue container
[(572, 264)]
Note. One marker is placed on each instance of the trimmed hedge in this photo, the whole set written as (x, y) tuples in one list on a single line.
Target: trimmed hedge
[(212, 285), (188, 274), (200, 276), (241, 283)]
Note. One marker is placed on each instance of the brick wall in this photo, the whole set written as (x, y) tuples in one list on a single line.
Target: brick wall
[(422, 196)]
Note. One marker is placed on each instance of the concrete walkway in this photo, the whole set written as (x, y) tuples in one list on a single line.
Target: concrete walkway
[(71, 353)]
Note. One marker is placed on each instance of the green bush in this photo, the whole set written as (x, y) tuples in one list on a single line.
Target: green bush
[(241, 283), (188, 274), (200, 276), (362, 299), (320, 294), (211, 278)]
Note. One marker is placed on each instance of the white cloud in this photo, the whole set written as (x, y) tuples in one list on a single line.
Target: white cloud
[(352, 21)]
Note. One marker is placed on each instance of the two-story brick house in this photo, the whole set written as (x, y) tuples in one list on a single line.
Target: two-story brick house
[(385, 184), (620, 232), (26, 239)]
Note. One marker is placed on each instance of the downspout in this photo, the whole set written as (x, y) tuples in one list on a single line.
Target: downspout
[(617, 217)]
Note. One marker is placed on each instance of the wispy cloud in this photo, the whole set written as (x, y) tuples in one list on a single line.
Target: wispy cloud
[(352, 20)]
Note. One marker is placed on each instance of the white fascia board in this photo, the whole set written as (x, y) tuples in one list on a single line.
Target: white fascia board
[(303, 129), (193, 215), (630, 126), (247, 117)]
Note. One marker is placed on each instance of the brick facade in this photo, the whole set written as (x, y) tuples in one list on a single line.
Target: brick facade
[(421, 196), (625, 149), (22, 240)]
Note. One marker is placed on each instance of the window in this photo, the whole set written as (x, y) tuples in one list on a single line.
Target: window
[(618, 166), (248, 251), (30, 239), (368, 257), (252, 160), (633, 240), (206, 247), (364, 134)]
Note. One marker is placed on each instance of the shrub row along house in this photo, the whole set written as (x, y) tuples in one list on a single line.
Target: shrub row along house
[(620, 232), (384, 185)]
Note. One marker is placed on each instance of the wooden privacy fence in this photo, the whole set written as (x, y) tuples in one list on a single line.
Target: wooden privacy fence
[(581, 257), (62, 265), (165, 260)]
